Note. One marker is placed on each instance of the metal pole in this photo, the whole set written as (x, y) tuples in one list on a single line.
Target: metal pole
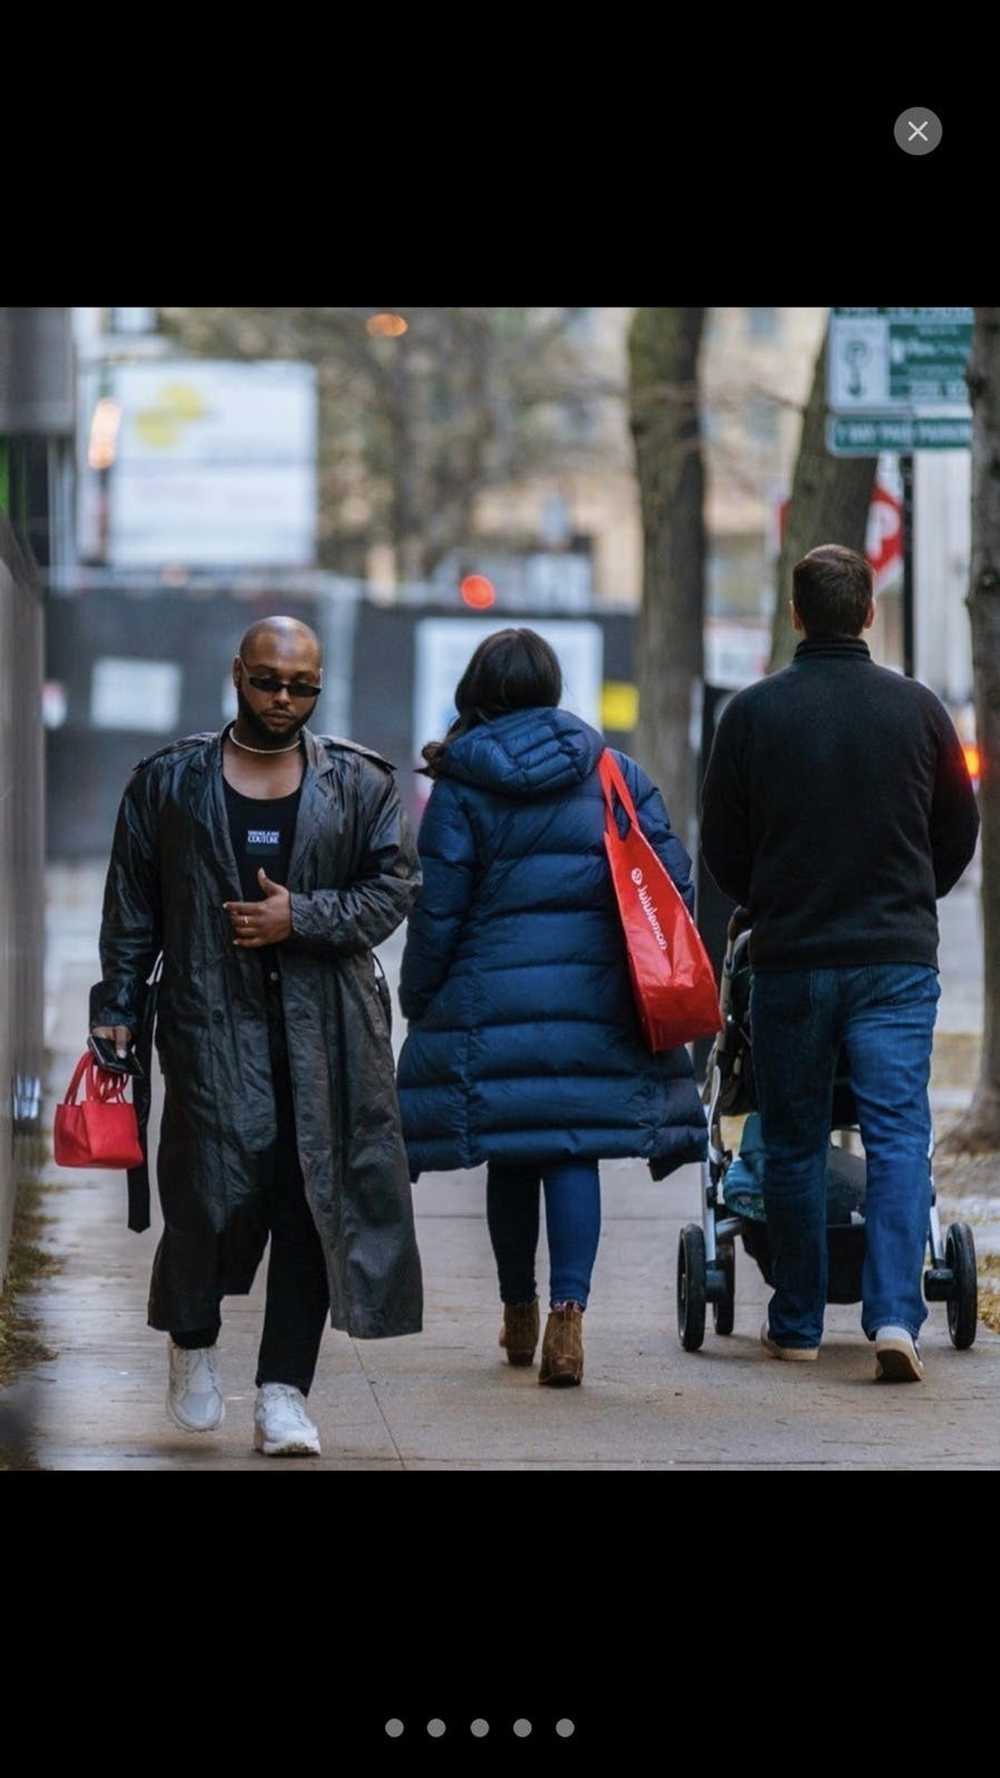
[(906, 471)]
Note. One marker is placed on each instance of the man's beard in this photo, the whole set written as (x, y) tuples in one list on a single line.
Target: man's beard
[(262, 736)]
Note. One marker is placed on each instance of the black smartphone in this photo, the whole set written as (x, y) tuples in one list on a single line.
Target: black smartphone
[(106, 1056)]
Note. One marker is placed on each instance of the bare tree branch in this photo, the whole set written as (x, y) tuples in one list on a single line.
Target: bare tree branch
[(461, 402)]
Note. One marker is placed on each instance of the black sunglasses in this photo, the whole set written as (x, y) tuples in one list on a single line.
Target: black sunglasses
[(267, 682)]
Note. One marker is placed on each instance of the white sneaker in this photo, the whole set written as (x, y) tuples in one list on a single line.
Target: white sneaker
[(282, 1428), (194, 1394), (794, 1354), (897, 1356)]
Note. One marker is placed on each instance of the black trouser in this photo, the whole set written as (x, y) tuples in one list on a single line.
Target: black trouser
[(298, 1293)]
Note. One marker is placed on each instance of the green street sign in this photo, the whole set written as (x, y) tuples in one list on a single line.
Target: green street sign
[(927, 363), (868, 435), (898, 360)]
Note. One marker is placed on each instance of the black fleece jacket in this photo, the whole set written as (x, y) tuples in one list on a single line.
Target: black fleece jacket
[(837, 808)]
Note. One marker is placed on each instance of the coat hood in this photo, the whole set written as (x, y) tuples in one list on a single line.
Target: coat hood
[(527, 753)]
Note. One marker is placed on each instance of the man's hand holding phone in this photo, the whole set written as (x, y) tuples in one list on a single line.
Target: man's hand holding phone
[(109, 1045)]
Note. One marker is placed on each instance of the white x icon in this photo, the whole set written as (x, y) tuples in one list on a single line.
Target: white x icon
[(917, 129)]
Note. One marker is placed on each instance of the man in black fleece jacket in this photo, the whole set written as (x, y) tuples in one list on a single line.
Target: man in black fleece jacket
[(837, 808)]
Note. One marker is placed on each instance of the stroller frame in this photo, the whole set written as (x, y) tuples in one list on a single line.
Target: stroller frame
[(706, 1255)]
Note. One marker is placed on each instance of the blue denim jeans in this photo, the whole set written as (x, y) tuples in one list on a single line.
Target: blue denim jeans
[(883, 1016), (572, 1223)]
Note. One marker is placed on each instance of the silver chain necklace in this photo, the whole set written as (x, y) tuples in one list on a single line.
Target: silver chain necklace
[(268, 750)]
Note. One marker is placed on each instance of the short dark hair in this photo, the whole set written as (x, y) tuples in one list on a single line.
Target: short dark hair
[(832, 589), (510, 670)]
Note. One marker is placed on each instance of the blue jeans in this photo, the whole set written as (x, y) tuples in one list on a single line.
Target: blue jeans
[(883, 1016), (572, 1223)]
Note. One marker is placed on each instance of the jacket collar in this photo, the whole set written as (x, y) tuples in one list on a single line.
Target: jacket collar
[(317, 755), (313, 804), (838, 648)]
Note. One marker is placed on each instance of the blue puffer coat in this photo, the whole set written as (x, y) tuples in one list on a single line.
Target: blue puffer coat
[(523, 1042)]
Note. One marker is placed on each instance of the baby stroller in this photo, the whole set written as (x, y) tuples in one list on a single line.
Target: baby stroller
[(732, 1190)]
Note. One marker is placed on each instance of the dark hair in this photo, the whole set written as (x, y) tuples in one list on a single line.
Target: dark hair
[(831, 590), (510, 670)]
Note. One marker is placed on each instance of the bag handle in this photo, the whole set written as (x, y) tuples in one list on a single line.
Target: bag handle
[(103, 1086), (78, 1074), (613, 782), (106, 1086)]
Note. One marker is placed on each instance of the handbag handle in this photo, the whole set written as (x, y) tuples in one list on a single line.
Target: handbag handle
[(102, 1085), (613, 782)]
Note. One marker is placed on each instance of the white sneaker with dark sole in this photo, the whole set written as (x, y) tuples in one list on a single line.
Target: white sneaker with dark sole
[(897, 1356), (793, 1354), (195, 1401), (282, 1428)]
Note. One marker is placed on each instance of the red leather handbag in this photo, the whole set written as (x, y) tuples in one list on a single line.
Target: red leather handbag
[(104, 1130), (672, 977)]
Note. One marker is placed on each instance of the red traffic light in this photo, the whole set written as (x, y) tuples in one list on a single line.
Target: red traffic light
[(387, 326), (478, 592)]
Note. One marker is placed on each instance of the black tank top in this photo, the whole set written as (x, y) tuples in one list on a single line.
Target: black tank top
[(263, 833)]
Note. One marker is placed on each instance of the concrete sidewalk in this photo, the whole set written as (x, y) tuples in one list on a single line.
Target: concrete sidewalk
[(446, 1399)]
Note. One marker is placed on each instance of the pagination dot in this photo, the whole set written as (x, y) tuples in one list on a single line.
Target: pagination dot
[(394, 1727), (479, 1727), (564, 1727), (435, 1727), (522, 1727)]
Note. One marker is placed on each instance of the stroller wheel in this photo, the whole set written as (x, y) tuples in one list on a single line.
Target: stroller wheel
[(724, 1307), (963, 1301), (691, 1287)]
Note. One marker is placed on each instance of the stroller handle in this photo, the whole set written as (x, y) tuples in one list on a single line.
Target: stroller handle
[(739, 921)]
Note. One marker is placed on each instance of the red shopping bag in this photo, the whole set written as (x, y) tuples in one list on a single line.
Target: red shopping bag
[(672, 979), (104, 1130)]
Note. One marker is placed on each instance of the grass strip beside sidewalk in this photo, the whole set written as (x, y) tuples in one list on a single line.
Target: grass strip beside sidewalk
[(29, 1262), (20, 1347)]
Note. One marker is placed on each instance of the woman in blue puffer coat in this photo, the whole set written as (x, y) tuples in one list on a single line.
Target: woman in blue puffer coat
[(523, 1048)]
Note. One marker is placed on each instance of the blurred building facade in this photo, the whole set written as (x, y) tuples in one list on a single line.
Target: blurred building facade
[(136, 654), (571, 536), (757, 366), (36, 431)]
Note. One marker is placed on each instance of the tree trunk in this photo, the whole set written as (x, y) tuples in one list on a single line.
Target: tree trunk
[(829, 504), (663, 394), (981, 1129)]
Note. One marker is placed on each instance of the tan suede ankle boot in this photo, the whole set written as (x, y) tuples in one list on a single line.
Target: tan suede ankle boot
[(519, 1333), (562, 1347)]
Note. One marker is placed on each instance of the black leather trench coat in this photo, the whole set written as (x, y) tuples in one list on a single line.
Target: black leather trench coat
[(353, 875)]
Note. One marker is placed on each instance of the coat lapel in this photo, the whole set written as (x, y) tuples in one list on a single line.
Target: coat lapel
[(208, 806), (314, 808), (209, 810)]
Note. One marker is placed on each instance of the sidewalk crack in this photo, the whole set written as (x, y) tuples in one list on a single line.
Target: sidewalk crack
[(371, 1387)]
